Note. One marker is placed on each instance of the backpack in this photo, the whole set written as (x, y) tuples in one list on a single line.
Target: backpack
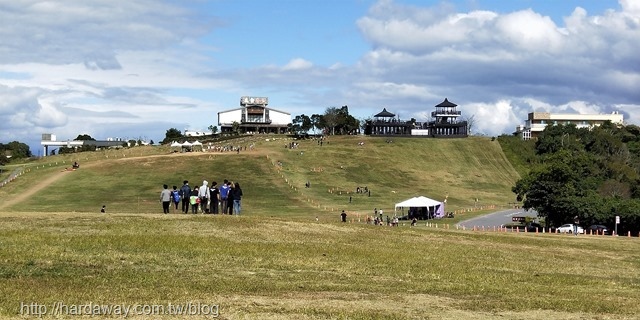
[(176, 196)]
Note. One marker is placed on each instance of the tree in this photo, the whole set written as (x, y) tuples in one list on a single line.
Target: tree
[(3, 156), (330, 119), (339, 120), (19, 150), (471, 123), (171, 135), (235, 126), (213, 129), (551, 188), (85, 137), (347, 124), (301, 125), (316, 120)]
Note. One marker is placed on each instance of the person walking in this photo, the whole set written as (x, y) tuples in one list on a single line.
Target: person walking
[(203, 194), (175, 196), (237, 198), (576, 222), (343, 216), (165, 198), (214, 199), (224, 194), (185, 194), (193, 200), (230, 194)]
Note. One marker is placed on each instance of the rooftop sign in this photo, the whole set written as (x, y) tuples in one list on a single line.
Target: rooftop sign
[(254, 100)]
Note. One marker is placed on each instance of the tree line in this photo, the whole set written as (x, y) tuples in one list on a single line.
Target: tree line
[(334, 121), (589, 173), (14, 150)]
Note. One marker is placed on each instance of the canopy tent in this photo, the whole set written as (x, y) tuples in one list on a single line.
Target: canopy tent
[(197, 145), (423, 207), (418, 202), (176, 146)]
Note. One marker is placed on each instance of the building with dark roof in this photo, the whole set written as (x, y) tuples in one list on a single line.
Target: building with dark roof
[(446, 123)]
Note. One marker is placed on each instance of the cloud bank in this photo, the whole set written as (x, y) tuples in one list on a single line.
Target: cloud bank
[(136, 69)]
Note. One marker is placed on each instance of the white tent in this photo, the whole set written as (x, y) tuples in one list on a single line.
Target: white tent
[(197, 144), (176, 144), (418, 202), (186, 144)]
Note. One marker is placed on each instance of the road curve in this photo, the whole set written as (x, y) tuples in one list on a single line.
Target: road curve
[(497, 218)]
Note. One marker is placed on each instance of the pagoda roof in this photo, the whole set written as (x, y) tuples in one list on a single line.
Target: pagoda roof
[(385, 113), (446, 103)]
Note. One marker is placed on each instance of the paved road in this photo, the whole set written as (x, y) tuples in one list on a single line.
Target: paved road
[(11, 176), (497, 218)]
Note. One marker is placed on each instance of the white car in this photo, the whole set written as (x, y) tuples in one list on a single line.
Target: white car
[(568, 228)]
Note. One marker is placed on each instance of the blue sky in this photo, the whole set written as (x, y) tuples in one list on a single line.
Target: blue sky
[(133, 69)]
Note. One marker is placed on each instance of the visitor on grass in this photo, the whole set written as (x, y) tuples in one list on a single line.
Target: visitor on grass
[(214, 200), (230, 194), (224, 194), (343, 215), (165, 198), (203, 194), (185, 194), (193, 200), (175, 195), (237, 198)]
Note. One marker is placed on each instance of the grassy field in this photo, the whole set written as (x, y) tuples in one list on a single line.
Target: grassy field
[(253, 267), (287, 256)]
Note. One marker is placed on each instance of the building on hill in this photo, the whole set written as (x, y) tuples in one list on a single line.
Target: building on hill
[(446, 123), (254, 116), (50, 140), (385, 123), (537, 121)]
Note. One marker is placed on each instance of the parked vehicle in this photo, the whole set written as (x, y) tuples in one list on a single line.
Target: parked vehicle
[(533, 227), (598, 229), (568, 228)]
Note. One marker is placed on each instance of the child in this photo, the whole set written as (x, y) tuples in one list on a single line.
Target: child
[(194, 201), (175, 195), (104, 209)]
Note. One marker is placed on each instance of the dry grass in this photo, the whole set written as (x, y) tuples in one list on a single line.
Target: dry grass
[(280, 269)]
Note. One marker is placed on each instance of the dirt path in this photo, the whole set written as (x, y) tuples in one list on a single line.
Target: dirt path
[(58, 175), (36, 188)]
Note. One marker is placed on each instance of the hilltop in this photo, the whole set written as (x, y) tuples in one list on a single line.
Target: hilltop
[(273, 175)]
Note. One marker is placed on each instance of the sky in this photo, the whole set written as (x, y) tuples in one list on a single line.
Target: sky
[(134, 69)]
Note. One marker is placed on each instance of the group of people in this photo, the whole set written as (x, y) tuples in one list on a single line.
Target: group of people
[(214, 199)]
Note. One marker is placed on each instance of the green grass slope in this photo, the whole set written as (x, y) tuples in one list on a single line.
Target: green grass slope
[(273, 177)]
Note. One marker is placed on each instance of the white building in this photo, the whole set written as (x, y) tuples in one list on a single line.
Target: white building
[(50, 140), (537, 121), (253, 116)]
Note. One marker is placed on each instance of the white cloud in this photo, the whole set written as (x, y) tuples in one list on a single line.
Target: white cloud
[(298, 64), (99, 67)]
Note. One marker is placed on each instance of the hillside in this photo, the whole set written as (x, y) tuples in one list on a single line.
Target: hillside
[(275, 261), (273, 176)]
